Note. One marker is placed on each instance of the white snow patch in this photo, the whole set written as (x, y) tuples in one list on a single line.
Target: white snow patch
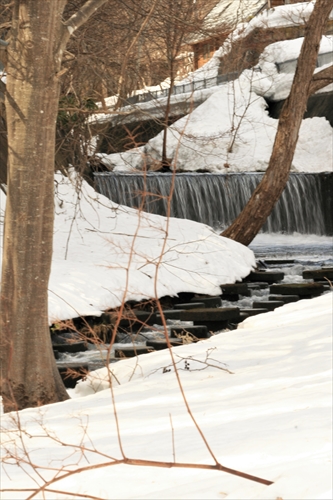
[(270, 418), (104, 254)]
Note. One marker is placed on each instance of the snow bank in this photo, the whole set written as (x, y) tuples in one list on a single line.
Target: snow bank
[(232, 132), (268, 82), (105, 253), (269, 415)]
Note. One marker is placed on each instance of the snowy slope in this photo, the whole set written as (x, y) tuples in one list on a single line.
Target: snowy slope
[(105, 253), (232, 132), (269, 415)]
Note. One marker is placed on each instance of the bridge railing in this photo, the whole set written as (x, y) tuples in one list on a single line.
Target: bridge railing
[(290, 65), (182, 89), (283, 67)]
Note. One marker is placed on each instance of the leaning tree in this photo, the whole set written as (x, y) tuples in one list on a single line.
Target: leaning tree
[(247, 225)]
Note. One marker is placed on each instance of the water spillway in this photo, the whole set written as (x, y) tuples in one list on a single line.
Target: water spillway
[(305, 206)]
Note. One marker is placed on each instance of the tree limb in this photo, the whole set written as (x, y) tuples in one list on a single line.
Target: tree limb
[(78, 19), (2, 91), (246, 226), (3, 51), (321, 79)]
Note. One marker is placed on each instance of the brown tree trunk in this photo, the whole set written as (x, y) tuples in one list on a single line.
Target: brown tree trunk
[(29, 375), (262, 201), (166, 161), (29, 372)]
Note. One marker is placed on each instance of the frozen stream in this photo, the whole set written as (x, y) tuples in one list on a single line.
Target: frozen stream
[(291, 254)]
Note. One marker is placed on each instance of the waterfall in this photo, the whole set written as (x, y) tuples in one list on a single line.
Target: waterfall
[(216, 199)]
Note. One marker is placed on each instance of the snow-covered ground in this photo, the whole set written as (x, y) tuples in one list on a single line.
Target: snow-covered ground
[(261, 394), (262, 398), (104, 254)]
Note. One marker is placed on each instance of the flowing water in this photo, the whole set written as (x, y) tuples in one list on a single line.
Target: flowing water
[(216, 199), (291, 254), (296, 237)]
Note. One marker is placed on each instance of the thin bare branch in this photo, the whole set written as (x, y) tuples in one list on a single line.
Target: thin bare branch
[(78, 19), (321, 79)]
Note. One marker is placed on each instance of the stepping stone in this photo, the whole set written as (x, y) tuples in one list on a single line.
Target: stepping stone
[(265, 276), (325, 284), (214, 318), (70, 380), (210, 314), (254, 287), (319, 274), (279, 261), (190, 305), (230, 297), (131, 351), (199, 331), (258, 285), (234, 289), (169, 314), (136, 318), (270, 304), (286, 299), (158, 345), (147, 317), (252, 312), (302, 289), (70, 347), (213, 326), (209, 301)]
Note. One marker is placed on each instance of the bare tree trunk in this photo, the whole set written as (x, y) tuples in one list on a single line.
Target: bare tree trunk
[(165, 160), (31, 106), (262, 201), (29, 376)]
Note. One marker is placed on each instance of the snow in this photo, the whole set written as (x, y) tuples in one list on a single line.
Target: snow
[(104, 254), (263, 400), (233, 117), (235, 113), (276, 86), (284, 15), (263, 404), (226, 15)]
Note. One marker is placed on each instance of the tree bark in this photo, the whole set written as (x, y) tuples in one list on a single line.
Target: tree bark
[(251, 219), (29, 375), (321, 79)]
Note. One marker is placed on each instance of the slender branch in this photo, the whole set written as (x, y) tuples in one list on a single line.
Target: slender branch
[(2, 91), (3, 51), (125, 59), (78, 19), (146, 463), (321, 79)]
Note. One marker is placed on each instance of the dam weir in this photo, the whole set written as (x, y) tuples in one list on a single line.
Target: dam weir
[(305, 207)]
